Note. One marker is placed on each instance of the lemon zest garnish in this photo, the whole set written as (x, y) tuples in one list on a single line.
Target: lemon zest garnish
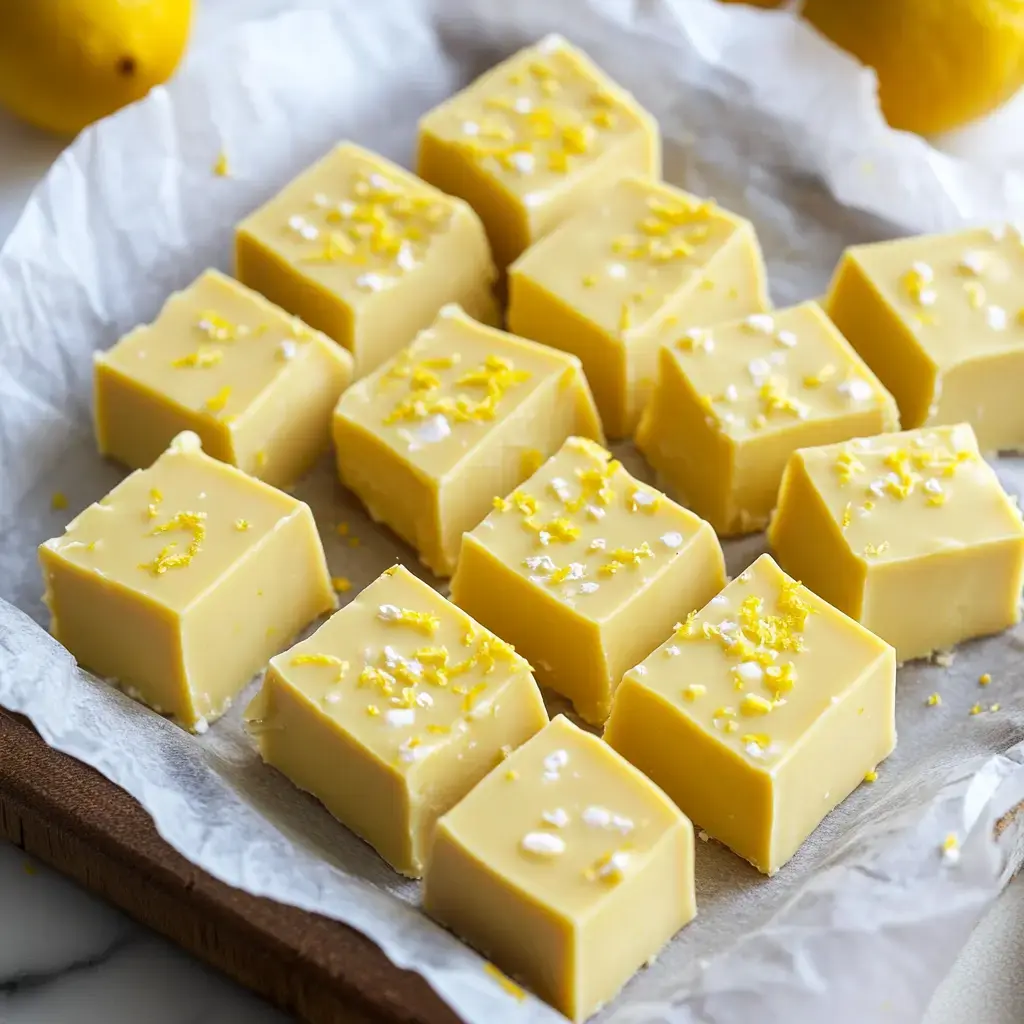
[(342, 584)]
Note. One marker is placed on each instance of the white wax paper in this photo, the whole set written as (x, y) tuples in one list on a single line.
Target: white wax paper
[(756, 111)]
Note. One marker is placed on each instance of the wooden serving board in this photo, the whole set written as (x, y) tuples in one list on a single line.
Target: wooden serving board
[(69, 816)]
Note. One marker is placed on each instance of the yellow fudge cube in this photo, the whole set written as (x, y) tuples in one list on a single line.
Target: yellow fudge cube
[(585, 570), (366, 252), (938, 319), (553, 861), (911, 534), (762, 713), (257, 385), (462, 414), (183, 580), (733, 402), (534, 140), (392, 711), (609, 284)]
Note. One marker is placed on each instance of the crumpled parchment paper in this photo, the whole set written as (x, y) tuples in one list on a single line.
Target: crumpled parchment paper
[(756, 111)]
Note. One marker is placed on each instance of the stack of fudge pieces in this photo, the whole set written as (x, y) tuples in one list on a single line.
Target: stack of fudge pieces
[(364, 313)]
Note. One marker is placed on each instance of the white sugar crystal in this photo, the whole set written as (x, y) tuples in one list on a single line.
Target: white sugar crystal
[(786, 338), (933, 486), (406, 258), (754, 749), (617, 270), (346, 208), (296, 223), (288, 349), (732, 393), (640, 670), (672, 539), (523, 105), (644, 499), (995, 317), (616, 865), (856, 390), (523, 162), (596, 512), (598, 544), (924, 271), (536, 562), (750, 672), (543, 844), (309, 232), (596, 816), (424, 700), (333, 697), (551, 43), (622, 824), (556, 760), (319, 199), (761, 322), (389, 612), (560, 487), (409, 752), (201, 726), (400, 717), (673, 651), (759, 369), (432, 430), (379, 182), (470, 128), (370, 282), (972, 261), (719, 600), (927, 297), (589, 588), (558, 817)]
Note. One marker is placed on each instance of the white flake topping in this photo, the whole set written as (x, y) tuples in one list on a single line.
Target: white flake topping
[(995, 317), (617, 270), (558, 817), (672, 539), (523, 162), (432, 430), (543, 844), (400, 717), (972, 261), (761, 322), (597, 817), (370, 282), (470, 128), (786, 338), (856, 390), (750, 672), (287, 349), (595, 512), (924, 271)]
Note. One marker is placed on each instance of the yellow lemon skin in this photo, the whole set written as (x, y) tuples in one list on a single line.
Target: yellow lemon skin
[(940, 63), (67, 63)]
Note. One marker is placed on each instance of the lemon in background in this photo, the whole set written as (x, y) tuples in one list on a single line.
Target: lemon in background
[(67, 63), (940, 63)]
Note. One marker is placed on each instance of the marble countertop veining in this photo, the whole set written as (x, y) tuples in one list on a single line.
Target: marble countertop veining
[(68, 958)]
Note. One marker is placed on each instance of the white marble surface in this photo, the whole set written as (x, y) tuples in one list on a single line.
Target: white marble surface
[(67, 958)]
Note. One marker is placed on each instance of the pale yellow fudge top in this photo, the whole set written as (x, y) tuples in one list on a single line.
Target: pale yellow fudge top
[(538, 119), (400, 669), (355, 223), (439, 398), (961, 294), (170, 532), (586, 532), (619, 263), (217, 348), (564, 819), (760, 663), (920, 492), (766, 372)]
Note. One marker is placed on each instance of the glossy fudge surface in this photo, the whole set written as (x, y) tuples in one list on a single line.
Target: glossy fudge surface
[(733, 401), (464, 413), (566, 866), (938, 319), (761, 714), (910, 533), (393, 710), (646, 262), (180, 583), (365, 252), (255, 383), (586, 569), (534, 140)]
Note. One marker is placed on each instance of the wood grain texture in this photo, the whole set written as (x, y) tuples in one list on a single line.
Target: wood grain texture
[(69, 816)]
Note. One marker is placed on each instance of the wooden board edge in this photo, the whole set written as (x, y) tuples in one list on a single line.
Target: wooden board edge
[(76, 821)]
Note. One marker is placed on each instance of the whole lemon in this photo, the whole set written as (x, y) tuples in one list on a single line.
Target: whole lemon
[(940, 63), (66, 63)]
